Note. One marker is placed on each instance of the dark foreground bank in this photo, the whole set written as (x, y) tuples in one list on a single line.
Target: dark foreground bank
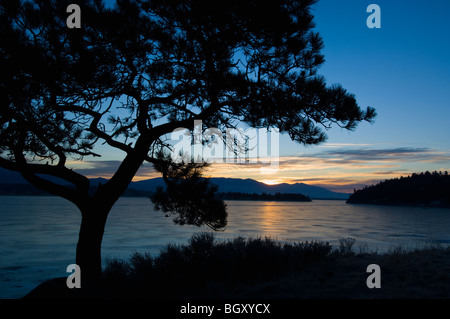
[(263, 268)]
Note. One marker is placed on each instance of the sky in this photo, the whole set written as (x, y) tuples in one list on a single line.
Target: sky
[(401, 69)]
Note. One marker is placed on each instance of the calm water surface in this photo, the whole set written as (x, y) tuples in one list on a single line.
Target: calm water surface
[(38, 235)]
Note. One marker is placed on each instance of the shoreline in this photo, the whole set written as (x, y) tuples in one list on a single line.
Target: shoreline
[(406, 205), (342, 274)]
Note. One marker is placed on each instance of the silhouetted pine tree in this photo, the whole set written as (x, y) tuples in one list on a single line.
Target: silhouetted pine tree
[(138, 70)]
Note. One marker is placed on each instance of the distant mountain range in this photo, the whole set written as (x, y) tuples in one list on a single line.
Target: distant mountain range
[(251, 186), (12, 183)]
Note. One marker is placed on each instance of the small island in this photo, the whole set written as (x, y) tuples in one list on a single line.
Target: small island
[(420, 189), (291, 197)]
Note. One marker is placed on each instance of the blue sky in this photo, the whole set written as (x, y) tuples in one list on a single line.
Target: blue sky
[(401, 69)]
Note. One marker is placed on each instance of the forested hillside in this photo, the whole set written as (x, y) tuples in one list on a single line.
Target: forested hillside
[(422, 189)]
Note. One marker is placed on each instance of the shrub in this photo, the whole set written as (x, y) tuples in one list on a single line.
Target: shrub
[(200, 246), (142, 269), (141, 262), (204, 261), (116, 275), (312, 251), (346, 246), (116, 269)]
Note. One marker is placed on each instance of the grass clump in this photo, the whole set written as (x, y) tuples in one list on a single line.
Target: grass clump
[(346, 246), (266, 268), (206, 266)]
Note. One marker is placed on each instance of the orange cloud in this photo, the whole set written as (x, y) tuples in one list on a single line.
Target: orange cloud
[(338, 168)]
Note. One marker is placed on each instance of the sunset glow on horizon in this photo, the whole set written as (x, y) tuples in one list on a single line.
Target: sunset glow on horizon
[(383, 68), (338, 168)]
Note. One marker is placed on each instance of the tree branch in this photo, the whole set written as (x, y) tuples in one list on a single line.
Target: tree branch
[(29, 172)]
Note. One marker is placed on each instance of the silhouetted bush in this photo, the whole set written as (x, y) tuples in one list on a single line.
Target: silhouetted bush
[(346, 247), (116, 276), (206, 262)]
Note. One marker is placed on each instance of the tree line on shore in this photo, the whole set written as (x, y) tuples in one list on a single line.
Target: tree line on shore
[(419, 189), (295, 197), (30, 190)]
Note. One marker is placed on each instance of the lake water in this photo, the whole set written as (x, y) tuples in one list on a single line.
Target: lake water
[(38, 234)]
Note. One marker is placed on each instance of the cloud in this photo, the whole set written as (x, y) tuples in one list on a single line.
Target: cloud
[(340, 169), (366, 154), (392, 172), (368, 157), (106, 169)]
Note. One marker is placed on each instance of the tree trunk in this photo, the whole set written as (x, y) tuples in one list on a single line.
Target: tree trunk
[(94, 212), (88, 254)]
